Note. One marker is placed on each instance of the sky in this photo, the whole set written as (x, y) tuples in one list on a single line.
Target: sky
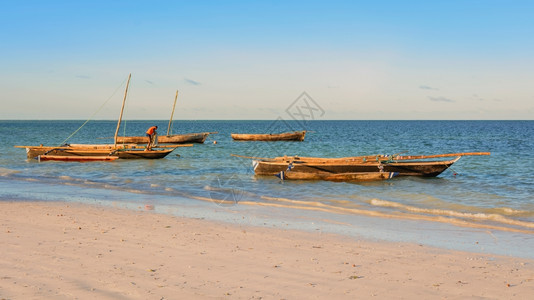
[(357, 60)]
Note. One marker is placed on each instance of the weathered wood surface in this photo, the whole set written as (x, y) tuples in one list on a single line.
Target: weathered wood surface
[(97, 150), (360, 159), (168, 139), (286, 136), (75, 158), (404, 168), (347, 177)]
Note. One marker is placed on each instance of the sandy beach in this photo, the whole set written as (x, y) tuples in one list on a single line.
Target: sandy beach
[(74, 251)]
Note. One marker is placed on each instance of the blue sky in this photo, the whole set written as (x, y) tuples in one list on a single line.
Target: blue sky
[(246, 60)]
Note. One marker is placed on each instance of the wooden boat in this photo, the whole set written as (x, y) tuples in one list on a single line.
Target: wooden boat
[(75, 158), (72, 150), (421, 168), (403, 165), (347, 177), (270, 137), (167, 139), (99, 150), (77, 150)]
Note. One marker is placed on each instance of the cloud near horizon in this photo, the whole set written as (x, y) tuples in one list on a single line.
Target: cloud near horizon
[(426, 87), (191, 82), (440, 99)]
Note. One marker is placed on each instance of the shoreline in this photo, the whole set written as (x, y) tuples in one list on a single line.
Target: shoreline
[(68, 250)]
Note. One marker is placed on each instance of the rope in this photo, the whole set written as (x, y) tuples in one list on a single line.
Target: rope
[(99, 109)]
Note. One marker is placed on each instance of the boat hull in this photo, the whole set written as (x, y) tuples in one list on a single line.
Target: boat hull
[(297, 136), (97, 151), (167, 139), (140, 154), (423, 168)]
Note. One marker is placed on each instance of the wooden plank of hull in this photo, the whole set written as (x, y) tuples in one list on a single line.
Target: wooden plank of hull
[(75, 158), (422, 168), (287, 136), (360, 176)]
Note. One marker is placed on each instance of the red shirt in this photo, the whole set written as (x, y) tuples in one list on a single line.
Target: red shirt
[(151, 130)]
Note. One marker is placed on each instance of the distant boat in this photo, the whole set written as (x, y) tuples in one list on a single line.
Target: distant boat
[(99, 150), (270, 137), (412, 165)]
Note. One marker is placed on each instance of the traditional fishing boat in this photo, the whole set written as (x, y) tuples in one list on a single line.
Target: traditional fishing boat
[(80, 151), (99, 150), (270, 137), (169, 138), (71, 150), (347, 177), (417, 165)]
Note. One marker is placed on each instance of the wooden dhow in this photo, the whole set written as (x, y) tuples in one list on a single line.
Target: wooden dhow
[(169, 138), (412, 165), (99, 150), (297, 136), (83, 150)]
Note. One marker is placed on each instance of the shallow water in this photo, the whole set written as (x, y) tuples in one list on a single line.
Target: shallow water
[(483, 203)]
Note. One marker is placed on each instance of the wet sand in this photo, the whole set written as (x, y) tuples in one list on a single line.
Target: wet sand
[(65, 251)]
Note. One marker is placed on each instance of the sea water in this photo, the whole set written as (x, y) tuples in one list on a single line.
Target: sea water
[(482, 203)]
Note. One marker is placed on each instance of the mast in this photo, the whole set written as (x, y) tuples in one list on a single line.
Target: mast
[(172, 113), (122, 109)]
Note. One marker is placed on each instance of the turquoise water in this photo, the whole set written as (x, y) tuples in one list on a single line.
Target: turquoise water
[(483, 203)]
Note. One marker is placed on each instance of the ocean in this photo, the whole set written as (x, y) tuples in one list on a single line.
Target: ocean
[(482, 203)]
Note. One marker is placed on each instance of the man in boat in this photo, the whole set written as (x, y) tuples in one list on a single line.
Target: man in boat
[(151, 134)]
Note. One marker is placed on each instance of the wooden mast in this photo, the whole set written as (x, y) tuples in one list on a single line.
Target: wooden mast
[(172, 113), (122, 109)]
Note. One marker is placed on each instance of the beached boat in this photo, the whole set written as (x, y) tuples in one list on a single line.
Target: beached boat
[(347, 177), (116, 149), (75, 158), (270, 137), (412, 165)]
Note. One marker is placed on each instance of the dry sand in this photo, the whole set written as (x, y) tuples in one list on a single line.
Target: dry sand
[(74, 251)]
